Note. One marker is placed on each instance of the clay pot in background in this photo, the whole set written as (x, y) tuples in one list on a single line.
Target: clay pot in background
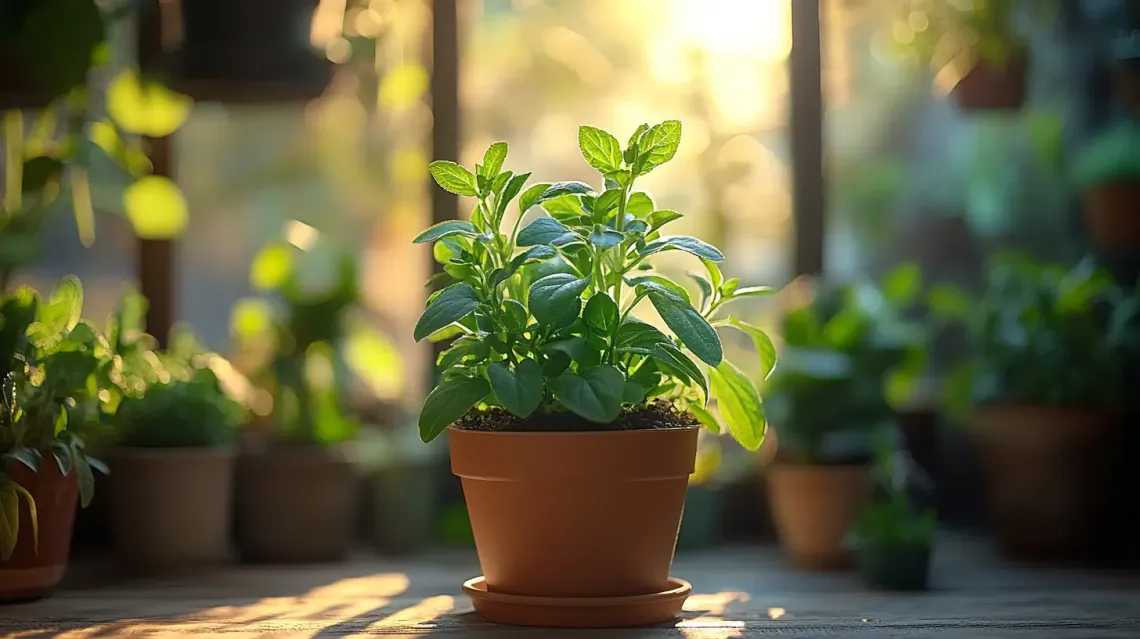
[(170, 507), (575, 514), (1112, 212), (30, 574), (1049, 478), (403, 508), (814, 507), (991, 87), (295, 504), (702, 523)]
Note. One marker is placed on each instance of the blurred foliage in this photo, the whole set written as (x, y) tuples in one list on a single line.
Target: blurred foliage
[(890, 519), (1041, 334), (1113, 156), (849, 356), (180, 413)]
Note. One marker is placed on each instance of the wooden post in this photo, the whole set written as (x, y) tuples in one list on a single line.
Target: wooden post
[(806, 123)]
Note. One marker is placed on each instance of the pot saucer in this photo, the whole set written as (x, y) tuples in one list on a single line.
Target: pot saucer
[(578, 612)]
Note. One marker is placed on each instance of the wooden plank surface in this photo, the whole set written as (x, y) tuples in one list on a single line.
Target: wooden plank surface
[(739, 592)]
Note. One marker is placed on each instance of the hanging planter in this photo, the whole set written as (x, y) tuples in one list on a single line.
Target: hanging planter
[(249, 51), (1108, 173), (992, 86)]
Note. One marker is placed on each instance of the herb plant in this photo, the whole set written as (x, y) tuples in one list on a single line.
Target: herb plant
[(179, 414), (942, 33), (1042, 334), (1113, 156), (543, 312), (52, 364)]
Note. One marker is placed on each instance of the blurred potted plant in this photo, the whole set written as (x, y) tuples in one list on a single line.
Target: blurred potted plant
[(171, 491), (1107, 171), (50, 359), (296, 495), (572, 425), (403, 486), (978, 41), (703, 517), (826, 401), (1043, 388), (891, 536)]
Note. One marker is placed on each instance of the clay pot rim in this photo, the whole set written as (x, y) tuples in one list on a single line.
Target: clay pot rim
[(568, 433), (476, 588)]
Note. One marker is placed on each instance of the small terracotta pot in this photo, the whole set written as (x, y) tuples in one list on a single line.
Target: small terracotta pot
[(1050, 472), (295, 504), (575, 514), (989, 87), (28, 574), (814, 507), (1112, 212), (170, 507)]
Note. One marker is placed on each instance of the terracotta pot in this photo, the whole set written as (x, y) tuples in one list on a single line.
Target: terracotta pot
[(575, 514), (295, 504), (170, 507), (1050, 472), (1112, 212), (814, 507), (988, 87), (28, 574)]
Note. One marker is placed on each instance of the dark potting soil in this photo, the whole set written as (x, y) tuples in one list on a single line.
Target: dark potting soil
[(657, 415)]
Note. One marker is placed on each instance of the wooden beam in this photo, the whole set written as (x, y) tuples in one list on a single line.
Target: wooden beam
[(806, 123)]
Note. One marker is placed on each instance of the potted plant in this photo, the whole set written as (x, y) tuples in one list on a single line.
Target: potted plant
[(50, 359), (1043, 388), (1107, 171), (975, 41), (572, 424), (402, 488), (171, 491), (827, 401), (891, 536), (702, 519), (296, 485)]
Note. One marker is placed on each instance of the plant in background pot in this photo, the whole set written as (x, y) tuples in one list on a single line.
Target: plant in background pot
[(827, 401), (573, 425), (171, 491), (892, 537), (1043, 387), (403, 486), (702, 520), (296, 494), (51, 360), (1107, 171)]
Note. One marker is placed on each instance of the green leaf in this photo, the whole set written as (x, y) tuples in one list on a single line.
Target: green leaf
[(451, 305), (9, 518), (29, 457), (453, 178), (657, 283), (448, 402), (601, 314), (703, 284), (531, 197), (62, 456), (556, 299), (520, 390), (514, 315), (687, 324), (605, 238), (545, 231), (62, 312), (632, 393), (606, 202), (754, 291), (578, 349), (600, 149), (729, 286), (559, 189), (38, 171), (715, 277), (33, 516), (637, 336), (85, 478), (657, 219), (447, 229), (669, 355), (640, 205), (594, 394), (493, 159), (903, 284), (513, 188), (762, 342), (739, 405), (950, 303), (658, 145), (706, 418), (683, 243)]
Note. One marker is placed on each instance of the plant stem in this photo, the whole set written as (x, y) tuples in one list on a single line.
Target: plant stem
[(620, 226)]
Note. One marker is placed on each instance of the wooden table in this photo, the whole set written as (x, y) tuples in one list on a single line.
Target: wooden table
[(738, 592)]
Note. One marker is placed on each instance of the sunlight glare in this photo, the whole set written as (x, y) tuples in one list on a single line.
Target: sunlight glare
[(753, 28)]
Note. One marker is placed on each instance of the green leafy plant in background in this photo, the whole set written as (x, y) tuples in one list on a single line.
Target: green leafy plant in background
[(1113, 156), (180, 413), (850, 359), (890, 519), (1041, 334), (52, 362), (543, 313), (83, 137)]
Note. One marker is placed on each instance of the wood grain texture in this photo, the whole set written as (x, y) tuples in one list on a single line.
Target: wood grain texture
[(740, 592)]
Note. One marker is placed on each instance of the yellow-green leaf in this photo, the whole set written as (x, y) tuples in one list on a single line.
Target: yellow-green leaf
[(146, 107), (271, 267), (156, 207)]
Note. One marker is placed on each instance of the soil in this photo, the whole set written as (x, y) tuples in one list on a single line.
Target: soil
[(656, 415)]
